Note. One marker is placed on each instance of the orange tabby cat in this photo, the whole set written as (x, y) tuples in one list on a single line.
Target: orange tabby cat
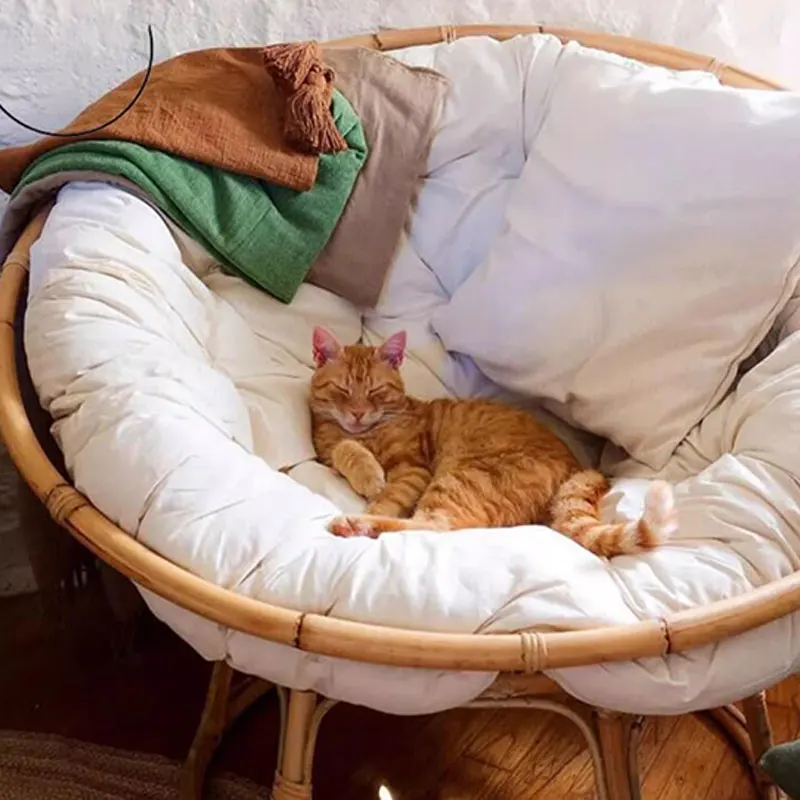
[(449, 464)]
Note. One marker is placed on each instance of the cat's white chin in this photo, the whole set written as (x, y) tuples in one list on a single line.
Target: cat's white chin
[(356, 427)]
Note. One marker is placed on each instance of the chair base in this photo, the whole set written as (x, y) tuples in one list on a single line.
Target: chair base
[(612, 737)]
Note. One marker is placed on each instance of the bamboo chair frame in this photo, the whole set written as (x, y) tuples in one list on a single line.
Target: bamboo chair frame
[(610, 735)]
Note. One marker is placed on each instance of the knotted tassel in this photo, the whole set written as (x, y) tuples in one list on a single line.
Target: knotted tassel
[(307, 85)]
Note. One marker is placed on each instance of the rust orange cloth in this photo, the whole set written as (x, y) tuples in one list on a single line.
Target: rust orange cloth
[(220, 107)]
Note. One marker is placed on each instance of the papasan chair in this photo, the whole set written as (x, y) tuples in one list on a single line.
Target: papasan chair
[(185, 392)]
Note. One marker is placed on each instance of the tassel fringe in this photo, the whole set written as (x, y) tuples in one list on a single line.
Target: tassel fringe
[(307, 85)]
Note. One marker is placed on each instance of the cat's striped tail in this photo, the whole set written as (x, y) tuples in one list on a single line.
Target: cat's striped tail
[(575, 513)]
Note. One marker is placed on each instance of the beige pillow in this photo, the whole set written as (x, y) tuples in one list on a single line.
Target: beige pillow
[(399, 107)]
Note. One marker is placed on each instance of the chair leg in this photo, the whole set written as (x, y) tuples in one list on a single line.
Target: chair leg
[(618, 735), (226, 701), (209, 732), (301, 716), (758, 727)]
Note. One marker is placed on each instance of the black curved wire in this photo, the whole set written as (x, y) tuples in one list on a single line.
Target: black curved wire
[(105, 124)]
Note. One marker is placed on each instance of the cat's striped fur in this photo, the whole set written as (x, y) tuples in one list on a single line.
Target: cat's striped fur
[(447, 464)]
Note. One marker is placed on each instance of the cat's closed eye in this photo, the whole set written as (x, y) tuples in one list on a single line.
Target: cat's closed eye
[(337, 388)]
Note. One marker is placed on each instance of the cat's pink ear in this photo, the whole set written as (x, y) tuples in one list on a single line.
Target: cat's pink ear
[(324, 345), (393, 350)]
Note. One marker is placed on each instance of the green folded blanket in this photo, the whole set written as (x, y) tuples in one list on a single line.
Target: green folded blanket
[(267, 234)]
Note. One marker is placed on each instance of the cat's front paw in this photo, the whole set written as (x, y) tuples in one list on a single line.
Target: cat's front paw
[(359, 467), (368, 480), (347, 527)]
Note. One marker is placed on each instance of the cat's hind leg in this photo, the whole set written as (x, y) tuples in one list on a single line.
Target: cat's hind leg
[(494, 494)]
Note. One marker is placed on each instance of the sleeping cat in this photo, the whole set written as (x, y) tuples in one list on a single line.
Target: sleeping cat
[(447, 464)]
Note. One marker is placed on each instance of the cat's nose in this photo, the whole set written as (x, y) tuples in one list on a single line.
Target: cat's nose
[(358, 415)]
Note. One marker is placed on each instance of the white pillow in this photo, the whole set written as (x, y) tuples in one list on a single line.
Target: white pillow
[(648, 245)]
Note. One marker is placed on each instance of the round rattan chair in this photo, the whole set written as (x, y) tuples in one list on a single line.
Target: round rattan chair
[(519, 658)]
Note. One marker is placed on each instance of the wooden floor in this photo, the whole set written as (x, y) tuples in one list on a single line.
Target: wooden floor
[(150, 701)]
